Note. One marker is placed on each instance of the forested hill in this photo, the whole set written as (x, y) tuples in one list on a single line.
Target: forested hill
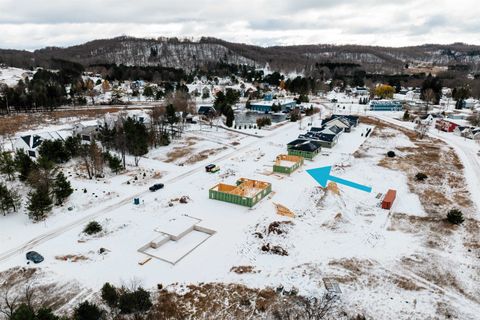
[(189, 55)]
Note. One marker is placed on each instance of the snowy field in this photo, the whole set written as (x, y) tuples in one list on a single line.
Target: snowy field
[(11, 76), (343, 235)]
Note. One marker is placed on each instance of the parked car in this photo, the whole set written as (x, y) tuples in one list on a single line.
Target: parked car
[(34, 256), (156, 186), (209, 167)]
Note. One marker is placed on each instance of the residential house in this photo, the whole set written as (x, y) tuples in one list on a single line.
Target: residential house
[(462, 131), (86, 130), (30, 143), (334, 130), (206, 110), (354, 120), (305, 148), (339, 122), (426, 119), (266, 104), (326, 140), (445, 125), (385, 105), (361, 91)]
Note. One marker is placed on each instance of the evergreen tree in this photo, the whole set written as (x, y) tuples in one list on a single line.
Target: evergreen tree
[(137, 301), (148, 91), (72, 146), (7, 165), (110, 295), (62, 188), (39, 204), (9, 199), (46, 314), (455, 216), (115, 163), (24, 164), (460, 94), (23, 312), (435, 84), (93, 227), (406, 116), (54, 150), (88, 311), (136, 138), (26, 312), (230, 116)]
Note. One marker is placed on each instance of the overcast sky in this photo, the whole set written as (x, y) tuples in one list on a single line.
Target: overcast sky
[(32, 24)]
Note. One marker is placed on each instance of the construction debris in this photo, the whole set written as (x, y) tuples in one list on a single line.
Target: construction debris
[(284, 211), (333, 187), (72, 258), (144, 261)]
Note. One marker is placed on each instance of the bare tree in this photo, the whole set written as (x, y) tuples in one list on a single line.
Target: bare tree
[(422, 129), (182, 102), (8, 303), (428, 97), (309, 308)]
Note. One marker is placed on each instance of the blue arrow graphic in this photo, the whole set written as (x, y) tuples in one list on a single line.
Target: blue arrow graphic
[(322, 176)]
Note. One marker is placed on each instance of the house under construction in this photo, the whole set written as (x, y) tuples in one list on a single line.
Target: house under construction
[(246, 192), (287, 163)]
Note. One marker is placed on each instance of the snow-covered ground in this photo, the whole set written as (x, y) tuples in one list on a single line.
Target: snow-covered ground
[(342, 235), (11, 76), (467, 149)]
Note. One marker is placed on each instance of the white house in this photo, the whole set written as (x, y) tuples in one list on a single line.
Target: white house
[(428, 120), (30, 143), (86, 129), (339, 122)]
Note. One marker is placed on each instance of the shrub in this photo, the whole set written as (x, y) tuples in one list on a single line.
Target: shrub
[(390, 154), (455, 216), (137, 301), (294, 116), (92, 227), (88, 311), (420, 176), (264, 121)]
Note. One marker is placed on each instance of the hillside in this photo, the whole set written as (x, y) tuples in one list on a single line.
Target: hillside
[(188, 54)]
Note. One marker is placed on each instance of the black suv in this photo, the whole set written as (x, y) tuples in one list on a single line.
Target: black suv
[(34, 256), (156, 186)]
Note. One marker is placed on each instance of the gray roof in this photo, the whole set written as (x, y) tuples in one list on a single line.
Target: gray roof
[(305, 145)]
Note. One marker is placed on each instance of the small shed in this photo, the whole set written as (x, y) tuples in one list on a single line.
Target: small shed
[(389, 199)]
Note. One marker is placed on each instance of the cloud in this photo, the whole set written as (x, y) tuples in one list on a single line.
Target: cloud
[(27, 24)]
